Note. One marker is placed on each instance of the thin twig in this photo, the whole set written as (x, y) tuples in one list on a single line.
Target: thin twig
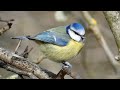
[(26, 52), (61, 74), (18, 45), (6, 27), (64, 71), (95, 29)]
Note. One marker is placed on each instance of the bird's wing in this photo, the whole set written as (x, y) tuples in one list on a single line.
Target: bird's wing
[(57, 36)]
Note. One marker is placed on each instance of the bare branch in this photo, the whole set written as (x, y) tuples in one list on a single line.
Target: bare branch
[(15, 76), (95, 29), (26, 52), (23, 64), (15, 70), (64, 71), (6, 27), (113, 19), (61, 74)]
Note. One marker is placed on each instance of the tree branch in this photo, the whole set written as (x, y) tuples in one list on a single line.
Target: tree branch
[(6, 27), (30, 69), (113, 19), (22, 66), (95, 29)]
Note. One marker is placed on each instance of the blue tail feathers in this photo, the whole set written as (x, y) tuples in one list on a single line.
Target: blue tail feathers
[(21, 37)]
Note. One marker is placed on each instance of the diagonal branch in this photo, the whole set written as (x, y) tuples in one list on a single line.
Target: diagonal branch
[(95, 29), (23, 64), (113, 18)]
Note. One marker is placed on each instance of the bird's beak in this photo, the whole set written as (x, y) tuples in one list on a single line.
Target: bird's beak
[(83, 38)]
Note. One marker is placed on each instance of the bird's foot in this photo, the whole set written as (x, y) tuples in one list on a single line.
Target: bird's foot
[(67, 67), (66, 70)]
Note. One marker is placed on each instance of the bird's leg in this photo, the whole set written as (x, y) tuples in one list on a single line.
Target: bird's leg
[(66, 70), (67, 67)]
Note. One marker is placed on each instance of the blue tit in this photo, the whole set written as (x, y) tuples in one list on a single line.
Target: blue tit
[(60, 44)]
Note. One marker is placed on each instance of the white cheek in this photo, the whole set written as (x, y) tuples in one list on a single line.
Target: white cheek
[(74, 36)]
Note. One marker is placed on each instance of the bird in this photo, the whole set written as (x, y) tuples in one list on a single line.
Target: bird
[(61, 43)]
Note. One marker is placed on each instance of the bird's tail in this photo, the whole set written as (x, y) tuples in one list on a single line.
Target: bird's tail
[(22, 37)]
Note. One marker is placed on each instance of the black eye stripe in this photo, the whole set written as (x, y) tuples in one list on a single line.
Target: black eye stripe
[(78, 34), (75, 33), (82, 37)]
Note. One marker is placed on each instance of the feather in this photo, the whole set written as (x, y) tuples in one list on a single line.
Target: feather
[(57, 36)]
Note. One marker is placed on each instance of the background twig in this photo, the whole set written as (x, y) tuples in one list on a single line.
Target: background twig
[(6, 27), (95, 29)]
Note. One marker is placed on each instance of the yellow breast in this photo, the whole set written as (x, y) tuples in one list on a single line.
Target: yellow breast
[(58, 53)]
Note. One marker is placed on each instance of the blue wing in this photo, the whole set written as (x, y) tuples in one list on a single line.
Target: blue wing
[(57, 36)]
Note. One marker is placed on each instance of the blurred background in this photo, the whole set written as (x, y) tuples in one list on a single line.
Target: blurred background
[(92, 62)]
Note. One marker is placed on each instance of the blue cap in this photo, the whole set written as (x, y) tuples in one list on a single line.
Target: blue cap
[(77, 28)]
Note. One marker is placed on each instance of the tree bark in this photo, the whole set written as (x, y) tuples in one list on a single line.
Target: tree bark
[(23, 65)]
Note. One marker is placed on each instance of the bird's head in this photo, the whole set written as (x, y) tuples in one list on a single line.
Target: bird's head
[(76, 31)]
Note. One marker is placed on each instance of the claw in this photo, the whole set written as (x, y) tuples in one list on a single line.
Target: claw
[(67, 64), (67, 67)]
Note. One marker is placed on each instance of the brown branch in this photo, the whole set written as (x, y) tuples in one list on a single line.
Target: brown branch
[(17, 71), (26, 52), (6, 27), (20, 69), (113, 19), (61, 74), (64, 71), (23, 64), (20, 72), (95, 29)]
